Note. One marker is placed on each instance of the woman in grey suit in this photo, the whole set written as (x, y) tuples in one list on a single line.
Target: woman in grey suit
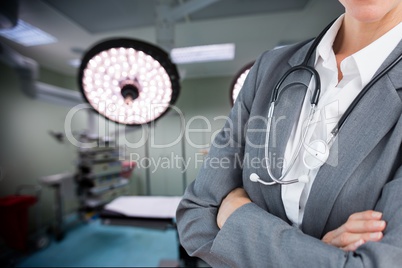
[(317, 182)]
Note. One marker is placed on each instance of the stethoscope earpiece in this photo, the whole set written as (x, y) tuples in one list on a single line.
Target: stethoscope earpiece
[(254, 177)]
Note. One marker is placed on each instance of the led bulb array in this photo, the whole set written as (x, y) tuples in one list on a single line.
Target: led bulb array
[(239, 81), (106, 76), (239, 84)]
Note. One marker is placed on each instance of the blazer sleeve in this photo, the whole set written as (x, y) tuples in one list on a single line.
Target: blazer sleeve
[(252, 237), (196, 214)]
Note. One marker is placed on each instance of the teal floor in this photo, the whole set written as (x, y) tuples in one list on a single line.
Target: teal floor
[(97, 245)]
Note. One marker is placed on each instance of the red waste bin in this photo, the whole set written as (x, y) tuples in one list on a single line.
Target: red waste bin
[(14, 219), (127, 169)]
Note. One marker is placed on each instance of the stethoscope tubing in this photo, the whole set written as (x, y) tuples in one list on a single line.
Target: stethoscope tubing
[(294, 157)]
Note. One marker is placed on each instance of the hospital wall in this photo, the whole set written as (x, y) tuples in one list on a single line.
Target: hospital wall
[(28, 152)]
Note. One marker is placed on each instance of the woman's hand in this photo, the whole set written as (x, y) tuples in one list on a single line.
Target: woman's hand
[(358, 229), (235, 199)]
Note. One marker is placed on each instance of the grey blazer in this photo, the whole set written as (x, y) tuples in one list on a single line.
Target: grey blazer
[(362, 173)]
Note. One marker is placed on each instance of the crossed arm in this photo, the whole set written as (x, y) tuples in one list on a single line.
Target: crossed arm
[(360, 228), (235, 232)]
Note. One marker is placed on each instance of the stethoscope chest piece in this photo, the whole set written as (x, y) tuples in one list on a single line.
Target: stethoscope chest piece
[(316, 154)]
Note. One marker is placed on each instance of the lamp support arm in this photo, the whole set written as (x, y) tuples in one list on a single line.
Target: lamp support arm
[(166, 16)]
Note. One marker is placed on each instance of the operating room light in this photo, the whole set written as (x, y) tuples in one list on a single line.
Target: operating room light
[(129, 81), (238, 81)]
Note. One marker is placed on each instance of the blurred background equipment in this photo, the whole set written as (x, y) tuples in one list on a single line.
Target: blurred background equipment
[(101, 176)]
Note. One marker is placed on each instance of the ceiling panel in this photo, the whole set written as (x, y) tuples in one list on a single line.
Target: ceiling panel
[(232, 8), (99, 16)]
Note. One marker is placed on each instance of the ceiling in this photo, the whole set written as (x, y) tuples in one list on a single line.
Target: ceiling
[(253, 25)]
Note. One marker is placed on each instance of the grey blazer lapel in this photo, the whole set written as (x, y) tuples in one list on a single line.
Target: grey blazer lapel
[(286, 107), (374, 116), (287, 110)]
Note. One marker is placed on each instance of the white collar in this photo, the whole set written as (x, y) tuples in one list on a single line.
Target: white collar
[(324, 48), (370, 58), (367, 60)]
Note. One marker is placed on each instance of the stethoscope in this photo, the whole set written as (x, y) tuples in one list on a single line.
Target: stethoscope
[(317, 151)]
